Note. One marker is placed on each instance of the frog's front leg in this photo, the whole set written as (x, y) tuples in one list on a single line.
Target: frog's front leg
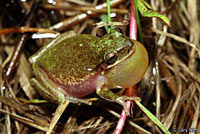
[(105, 93)]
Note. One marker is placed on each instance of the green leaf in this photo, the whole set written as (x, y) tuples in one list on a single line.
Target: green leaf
[(37, 101), (138, 22), (104, 18), (152, 117), (147, 11), (108, 12)]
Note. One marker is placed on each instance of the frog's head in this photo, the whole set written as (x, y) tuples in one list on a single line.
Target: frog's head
[(126, 59)]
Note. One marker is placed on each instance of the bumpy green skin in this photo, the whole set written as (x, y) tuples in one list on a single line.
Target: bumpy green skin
[(76, 58), (65, 63)]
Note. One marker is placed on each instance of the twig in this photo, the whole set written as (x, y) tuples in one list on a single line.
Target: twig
[(81, 17), (17, 51)]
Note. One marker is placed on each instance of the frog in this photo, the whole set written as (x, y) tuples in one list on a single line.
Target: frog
[(72, 66)]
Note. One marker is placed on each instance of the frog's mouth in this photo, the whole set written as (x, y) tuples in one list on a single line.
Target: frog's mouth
[(131, 52)]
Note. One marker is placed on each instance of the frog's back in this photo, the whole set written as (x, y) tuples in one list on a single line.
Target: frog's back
[(73, 59)]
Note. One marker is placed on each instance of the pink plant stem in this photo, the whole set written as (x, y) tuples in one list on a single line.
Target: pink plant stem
[(122, 119), (133, 22), (133, 35)]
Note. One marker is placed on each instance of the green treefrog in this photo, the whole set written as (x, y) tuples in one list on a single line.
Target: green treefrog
[(73, 66)]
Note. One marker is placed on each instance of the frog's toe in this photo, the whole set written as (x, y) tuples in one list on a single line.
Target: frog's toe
[(78, 100), (122, 101), (125, 98)]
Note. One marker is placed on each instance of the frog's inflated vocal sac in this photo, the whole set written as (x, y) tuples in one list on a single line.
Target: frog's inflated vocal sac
[(73, 67)]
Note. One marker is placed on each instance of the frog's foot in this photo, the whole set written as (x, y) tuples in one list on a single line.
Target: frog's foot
[(122, 101), (78, 100), (105, 93)]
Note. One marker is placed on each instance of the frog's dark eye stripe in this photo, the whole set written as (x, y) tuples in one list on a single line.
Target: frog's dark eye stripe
[(111, 57)]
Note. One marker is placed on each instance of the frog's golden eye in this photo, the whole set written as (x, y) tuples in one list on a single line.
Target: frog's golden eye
[(111, 57)]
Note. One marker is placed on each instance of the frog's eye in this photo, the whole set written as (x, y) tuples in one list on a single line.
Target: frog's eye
[(111, 57)]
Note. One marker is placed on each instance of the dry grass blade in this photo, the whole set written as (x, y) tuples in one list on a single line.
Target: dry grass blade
[(24, 111), (180, 39), (24, 70), (196, 117), (60, 109), (25, 120), (171, 115), (85, 9), (194, 75)]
